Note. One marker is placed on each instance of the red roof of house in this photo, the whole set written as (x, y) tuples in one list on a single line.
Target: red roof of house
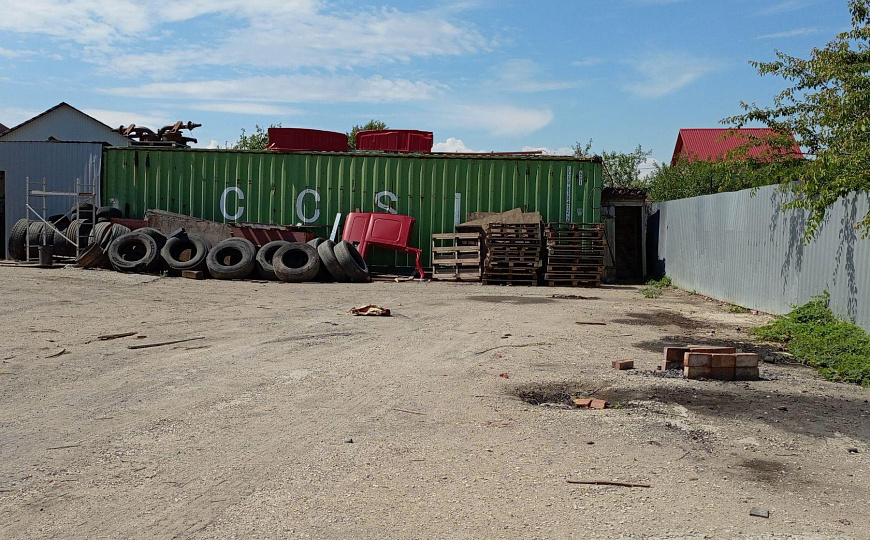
[(712, 144)]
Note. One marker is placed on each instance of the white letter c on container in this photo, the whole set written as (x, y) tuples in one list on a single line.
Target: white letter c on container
[(300, 210), (240, 194)]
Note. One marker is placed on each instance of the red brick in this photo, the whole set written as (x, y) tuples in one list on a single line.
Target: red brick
[(721, 350), (675, 354), (746, 360), (722, 373), (718, 360), (746, 374), (582, 402), (697, 360), (622, 364), (696, 372), (598, 404)]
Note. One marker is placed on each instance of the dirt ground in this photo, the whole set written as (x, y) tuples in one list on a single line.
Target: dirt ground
[(292, 420)]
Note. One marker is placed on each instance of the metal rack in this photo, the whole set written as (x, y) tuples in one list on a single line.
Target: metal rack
[(85, 192)]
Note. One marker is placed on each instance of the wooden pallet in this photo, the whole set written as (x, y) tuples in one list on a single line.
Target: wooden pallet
[(575, 254), (457, 256)]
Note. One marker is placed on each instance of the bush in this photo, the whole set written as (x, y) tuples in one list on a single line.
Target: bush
[(839, 350), (653, 288)]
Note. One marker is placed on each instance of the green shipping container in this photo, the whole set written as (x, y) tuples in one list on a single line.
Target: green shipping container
[(310, 188)]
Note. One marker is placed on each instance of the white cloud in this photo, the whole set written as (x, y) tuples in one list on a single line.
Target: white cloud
[(241, 107), (588, 62), (12, 116), (454, 145), (499, 120), (523, 75), (547, 151), (288, 89), (665, 73), (212, 145), (785, 6), (125, 118), (648, 167), (805, 31), (286, 34), (17, 53)]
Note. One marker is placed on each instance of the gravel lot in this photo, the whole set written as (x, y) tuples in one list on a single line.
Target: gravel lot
[(247, 433)]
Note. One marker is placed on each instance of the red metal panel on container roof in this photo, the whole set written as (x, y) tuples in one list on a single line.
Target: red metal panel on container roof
[(299, 139), (395, 140), (713, 144)]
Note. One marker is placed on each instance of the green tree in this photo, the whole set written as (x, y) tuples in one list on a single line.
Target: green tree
[(620, 169), (690, 179), (827, 107), (255, 141), (370, 125)]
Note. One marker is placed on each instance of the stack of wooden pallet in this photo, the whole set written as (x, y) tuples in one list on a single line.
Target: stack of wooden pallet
[(513, 254), (457, 256), (575, 254)]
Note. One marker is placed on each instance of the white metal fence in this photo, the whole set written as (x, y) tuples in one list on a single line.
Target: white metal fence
[(742, 248)]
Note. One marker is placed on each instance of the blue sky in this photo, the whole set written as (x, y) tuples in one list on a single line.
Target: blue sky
[(493, 75)]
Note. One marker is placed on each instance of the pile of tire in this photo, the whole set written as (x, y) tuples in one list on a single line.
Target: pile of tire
[(292, 262)]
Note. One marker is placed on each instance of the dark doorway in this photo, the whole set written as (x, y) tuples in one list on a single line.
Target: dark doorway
[(629, 244)]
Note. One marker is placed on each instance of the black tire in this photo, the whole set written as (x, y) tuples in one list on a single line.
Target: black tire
[(185, 252), (158, 236), (98, 233), (296, 262), (323, 274), (60, 221), (327, 258), (134, 252), (82, 211), (78, 233), (18, 240), (351, 262), (106, 213), (264, 258), (232, 258)]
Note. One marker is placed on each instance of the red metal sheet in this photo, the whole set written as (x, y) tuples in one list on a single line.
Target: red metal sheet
[(299, 139), (261, 233), (714, 143), (132, 224), (395, 140)]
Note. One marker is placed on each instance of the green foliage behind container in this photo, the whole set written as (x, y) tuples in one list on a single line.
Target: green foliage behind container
[(311, 188)]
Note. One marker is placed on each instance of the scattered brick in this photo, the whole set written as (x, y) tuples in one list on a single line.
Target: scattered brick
[(746, 374), (598, 404), (623, 364), (696, 372), (721, 350), (192, 274), (746, 360), (722, 373), (582, 402), (718, 360), (697, 360), (674, 357)]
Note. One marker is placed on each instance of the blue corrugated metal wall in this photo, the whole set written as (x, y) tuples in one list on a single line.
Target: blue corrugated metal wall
[(743, 248), (60, 163)]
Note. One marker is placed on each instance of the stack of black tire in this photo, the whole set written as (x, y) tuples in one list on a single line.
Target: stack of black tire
[(293, 262), (148, 251), (70, 232)]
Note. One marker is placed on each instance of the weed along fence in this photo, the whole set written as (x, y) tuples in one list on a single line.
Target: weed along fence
[(743, 248), (310, 188)]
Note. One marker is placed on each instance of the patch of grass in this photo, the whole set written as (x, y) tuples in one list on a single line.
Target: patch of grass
[(653, 288), (839, 350), (738, 309)]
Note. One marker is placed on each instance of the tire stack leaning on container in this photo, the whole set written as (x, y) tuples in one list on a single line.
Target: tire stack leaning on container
[(264, 258), (233, 258), (296, 262), (185, 252), (137, 251)]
